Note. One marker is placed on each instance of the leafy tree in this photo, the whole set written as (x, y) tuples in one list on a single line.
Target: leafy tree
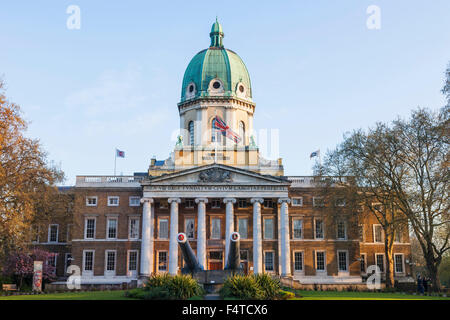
[(27, 179)]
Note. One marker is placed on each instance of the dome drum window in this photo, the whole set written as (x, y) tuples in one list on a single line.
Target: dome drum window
[(190, 90), (216, 87), (241, 91)]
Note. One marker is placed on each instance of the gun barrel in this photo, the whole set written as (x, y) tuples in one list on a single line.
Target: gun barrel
[(188, 254), (234, 257)]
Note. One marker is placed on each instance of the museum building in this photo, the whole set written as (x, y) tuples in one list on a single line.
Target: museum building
[(215, 182)]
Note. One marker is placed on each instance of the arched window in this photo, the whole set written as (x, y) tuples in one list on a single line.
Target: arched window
[(191, 133), (242, 132)]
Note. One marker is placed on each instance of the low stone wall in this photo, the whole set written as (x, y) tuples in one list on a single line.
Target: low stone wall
[(294, 284), (51, 287)]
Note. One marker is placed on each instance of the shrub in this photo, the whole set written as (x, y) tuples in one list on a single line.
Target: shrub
[(183, 287), (167, 287), (270, 286), (158, 280), (242, 287)]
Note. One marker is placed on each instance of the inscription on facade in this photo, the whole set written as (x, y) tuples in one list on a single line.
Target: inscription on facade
[(216, 188)]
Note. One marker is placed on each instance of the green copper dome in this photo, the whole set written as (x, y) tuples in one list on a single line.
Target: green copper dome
[(219, 64)]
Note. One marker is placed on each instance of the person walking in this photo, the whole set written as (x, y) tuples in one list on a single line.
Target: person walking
[(425, 284), (419, 284)]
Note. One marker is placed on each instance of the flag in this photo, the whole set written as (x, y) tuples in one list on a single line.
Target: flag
[(315, 154), (225, 130), (120, 154)]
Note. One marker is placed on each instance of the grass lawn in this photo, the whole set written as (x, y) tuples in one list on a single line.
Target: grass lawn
[(344, 295), (306, 295), (91, 295)]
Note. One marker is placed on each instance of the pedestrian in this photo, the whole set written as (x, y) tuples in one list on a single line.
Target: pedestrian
[(419, 284), (425, 284)]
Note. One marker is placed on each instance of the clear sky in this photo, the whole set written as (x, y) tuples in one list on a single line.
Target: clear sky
[(317, 71)]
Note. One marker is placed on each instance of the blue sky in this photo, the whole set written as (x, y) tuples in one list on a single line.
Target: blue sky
[(317, 71)]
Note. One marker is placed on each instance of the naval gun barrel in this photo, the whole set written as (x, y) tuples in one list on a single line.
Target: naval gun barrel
[(234, 257), (188, 254)]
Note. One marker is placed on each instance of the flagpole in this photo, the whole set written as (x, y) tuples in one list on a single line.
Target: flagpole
[(115, 158), (215, 147)]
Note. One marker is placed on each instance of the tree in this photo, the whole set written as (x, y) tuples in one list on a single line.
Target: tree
[(446, 88), (404, 166), (21, 265), (359, 166), (26, 178)]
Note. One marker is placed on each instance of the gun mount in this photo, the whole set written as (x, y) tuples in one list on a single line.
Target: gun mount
[(188, 255), (234, 257)]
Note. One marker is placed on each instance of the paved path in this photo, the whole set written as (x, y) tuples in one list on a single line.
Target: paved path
[(212, 296)]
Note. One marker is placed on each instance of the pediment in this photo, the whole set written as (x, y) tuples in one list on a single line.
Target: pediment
[(215, 174)]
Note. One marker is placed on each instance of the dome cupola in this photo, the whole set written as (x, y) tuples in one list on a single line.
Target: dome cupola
[(216, 72)]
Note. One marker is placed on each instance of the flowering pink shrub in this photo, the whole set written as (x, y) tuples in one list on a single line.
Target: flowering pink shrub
[(21, 265)]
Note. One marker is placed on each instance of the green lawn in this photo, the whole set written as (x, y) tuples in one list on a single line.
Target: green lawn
[(306, 295), (91, 295), (344, 295)]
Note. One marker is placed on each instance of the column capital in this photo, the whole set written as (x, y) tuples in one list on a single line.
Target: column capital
[(254, 200), (150, 200), (281, 200), (177, 200), (226, 200), (204, 200)]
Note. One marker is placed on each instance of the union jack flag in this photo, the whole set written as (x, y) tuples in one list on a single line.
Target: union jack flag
[(225, 130)]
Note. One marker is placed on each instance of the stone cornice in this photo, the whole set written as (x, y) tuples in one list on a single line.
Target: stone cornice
[(207, 101)]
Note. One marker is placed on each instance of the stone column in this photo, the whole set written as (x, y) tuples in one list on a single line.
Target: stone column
[(173, 245), (229, 224), (147, 237), (257, 241), (201, 232), (284, 235)]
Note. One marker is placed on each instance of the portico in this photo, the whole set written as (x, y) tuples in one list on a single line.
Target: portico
[(218, 182)]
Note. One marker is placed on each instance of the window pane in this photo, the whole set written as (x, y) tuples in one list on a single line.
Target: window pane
[(298, 261), (88, 260), (399, 263), (162, 260), (341, 230), (134, 228), (112, 228), (215, 230), (190, 228), (242, 227), (268, 260), (319, 229), (378, 234), (342, 262), (268, 228), (380, 262), (164, 228), (320, 260), (90, 228), (298, 228), (53, 233), (111, 261), (132, 262)]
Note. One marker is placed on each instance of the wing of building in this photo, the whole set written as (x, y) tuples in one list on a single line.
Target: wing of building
[(216, 182)]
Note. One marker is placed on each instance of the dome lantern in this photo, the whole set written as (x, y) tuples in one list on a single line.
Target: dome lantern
[(216, 35)]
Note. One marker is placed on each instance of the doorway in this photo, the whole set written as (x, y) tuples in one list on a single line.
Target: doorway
[(215, 261)]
